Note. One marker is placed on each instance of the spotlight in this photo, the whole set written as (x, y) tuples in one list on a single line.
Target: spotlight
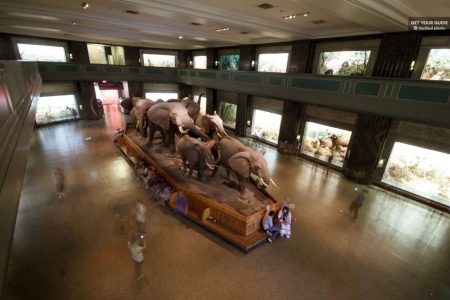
[(74, 23), (180, 37), (306, 14), (85, 5)]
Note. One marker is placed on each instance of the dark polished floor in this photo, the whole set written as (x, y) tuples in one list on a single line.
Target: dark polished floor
[(71, 249)]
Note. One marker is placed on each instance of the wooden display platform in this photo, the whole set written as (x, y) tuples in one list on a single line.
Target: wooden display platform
[(210, 204)]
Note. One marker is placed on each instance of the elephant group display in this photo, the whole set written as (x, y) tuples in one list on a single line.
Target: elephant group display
[(244, 161), (196, 155), (138, 108), (167, 117)]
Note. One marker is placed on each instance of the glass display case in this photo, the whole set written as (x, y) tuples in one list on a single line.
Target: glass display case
[(227, 111), (326, 143), (30, 52), (161, 95), (266, 125), (420, 171), (344, 63), (104, 54), (273, 62), (56, 109), (200, 62), (159, 60), (437, 66), (229, 62)]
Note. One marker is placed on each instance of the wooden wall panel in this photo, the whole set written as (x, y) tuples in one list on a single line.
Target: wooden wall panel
[(79, 52), (302, 54), (131, 56), (6, 48), (397, 51)]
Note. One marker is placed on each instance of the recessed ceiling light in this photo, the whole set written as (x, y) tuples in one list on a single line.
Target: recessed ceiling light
[(265, 6), (222, 29), (318, 21), (132, 12), (305, 14), (84, 5), (244, 32), (180, 37), (74, 23), (195, 24)]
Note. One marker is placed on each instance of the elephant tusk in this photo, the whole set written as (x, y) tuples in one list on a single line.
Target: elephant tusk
[(137, 124), (261, 181), (211, 167), (274, 184), (180, 128), (199, 128)]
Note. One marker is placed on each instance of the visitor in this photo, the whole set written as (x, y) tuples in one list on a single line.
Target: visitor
[(120, 209), (136, 245), (358, 202), (285, 219), (267, 224), (59, 182), (140, 216), (118, 135)]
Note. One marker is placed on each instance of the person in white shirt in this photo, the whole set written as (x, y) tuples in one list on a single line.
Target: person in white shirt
[(140, 216), (136, 246)]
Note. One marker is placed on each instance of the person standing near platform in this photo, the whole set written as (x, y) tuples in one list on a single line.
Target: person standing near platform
[(137, 244), (285, 219), (140, 216), (358, 202), (59, 182)]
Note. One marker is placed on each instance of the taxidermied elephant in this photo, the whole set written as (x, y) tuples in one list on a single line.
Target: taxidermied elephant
[(138, 112), (211, 125), (169, 116), (243, 161), (196, 154)]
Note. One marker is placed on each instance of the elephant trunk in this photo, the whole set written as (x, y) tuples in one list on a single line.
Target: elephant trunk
[(198, 133)]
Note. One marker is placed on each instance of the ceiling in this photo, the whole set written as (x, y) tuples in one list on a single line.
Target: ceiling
[(159, 23)]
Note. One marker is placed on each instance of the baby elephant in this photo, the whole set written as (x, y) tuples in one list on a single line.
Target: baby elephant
[(196, 155)]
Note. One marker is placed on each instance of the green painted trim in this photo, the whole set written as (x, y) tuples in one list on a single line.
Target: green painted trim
[(316, 84), (276, 80), (224, 76), (247, 78), (133, 70), (388, 91), (66, 68), (425, 94), (91, 68), (110, 69), (206, 74), (192, 73), (183, 72), (367, 88), (154, 71)]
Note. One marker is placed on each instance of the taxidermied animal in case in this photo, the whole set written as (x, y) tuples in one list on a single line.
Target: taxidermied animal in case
[(243, 161), (195, 155)]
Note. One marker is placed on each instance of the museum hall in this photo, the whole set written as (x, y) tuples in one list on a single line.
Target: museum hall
[(276, 149)]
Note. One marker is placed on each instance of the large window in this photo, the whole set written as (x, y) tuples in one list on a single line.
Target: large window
[(227, 111), (161, 95), (437, 66), (326, 143), (202, 103), (200, 62), (159, 60), (104, 54), (56, 108), (344, 63), (229, 62), (30, 52), (266, 125), (419, 171), (273, 62)]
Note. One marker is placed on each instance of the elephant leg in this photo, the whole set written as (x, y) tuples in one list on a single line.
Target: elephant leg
[(201, 168), (243, 186), (151, 133), (191, 168), (184, 165), (228, 173)]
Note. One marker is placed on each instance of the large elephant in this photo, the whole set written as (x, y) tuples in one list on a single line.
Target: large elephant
[(243, 161), (196, 155), (139, 108), (211, 125), (170, 116)]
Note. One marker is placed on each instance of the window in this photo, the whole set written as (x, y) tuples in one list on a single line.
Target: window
[(202, 103), (159, 60), (419, 171), (437, 66), (273, 62), (56, 108), (161, 95), (326, 143), (30, 52), (200, 62), (266, 125), (229, 62), (104, 54), (227, 111), (345, 63)]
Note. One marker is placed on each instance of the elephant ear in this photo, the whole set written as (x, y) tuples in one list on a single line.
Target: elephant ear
[(240, 163), (160, 116)]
